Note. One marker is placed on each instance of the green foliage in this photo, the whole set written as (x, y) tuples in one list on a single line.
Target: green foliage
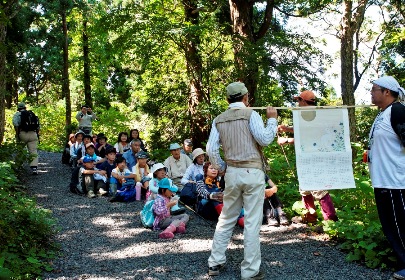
[(358, 228), (25, 229), (364, 120)]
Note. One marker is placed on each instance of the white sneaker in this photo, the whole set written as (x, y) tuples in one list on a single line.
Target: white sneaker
[(101, 191), (90, 194)]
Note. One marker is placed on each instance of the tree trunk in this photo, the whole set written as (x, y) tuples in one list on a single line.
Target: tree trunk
[(65, 74), (3, 51), (198, 123), (86, 65), (350, 24), (244, 41), (7, 12)]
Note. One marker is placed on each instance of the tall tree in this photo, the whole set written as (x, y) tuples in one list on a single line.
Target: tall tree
[(86, 62), (245, 38), (351, 22), (8, 10), (65, 7), (198, 126), (393, 47)]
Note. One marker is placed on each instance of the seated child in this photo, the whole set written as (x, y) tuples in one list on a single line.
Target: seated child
[(141, 171), (75, 148), (91, 152), (102, 146), (92, 180), (108, 166), (158, 173), (161, 209), (124, 181), (66, 150), (272, 211)]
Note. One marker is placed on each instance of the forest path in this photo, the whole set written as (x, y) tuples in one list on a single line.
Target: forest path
[(103, 240)]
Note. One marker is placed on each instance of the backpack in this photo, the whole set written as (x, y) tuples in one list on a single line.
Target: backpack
[(147, 215), (29, 121), (74, 181), (188, 194), (66, 155), (398, 120)]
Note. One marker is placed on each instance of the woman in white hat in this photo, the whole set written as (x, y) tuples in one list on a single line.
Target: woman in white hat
[(194, 169)]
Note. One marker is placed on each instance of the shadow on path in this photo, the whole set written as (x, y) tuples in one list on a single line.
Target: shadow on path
[(103, 240)]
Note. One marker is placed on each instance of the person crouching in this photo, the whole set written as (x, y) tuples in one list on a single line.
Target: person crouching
[(92, 180), (161, 208)]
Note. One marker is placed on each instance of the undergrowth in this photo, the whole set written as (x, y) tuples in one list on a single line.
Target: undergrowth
[(26, 230)]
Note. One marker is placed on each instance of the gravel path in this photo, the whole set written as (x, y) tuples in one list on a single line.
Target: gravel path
[(103, 240)]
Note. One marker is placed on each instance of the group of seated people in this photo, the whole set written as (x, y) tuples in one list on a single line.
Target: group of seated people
[(123, 172)]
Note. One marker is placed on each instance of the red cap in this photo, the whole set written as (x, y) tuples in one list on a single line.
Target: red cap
[(307, 95)]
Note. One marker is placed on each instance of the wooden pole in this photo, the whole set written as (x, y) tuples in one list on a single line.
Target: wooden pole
[(310, 107)]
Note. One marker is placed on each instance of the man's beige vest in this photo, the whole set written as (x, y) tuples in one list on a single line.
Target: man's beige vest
[(239, 146)]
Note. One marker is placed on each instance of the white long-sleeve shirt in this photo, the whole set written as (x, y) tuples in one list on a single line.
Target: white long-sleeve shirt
[(192, 171), (263, 135)]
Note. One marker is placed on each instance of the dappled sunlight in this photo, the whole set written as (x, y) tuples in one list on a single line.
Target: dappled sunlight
[(194, 245), (68, 233), (83, 206), (109, 221), (134, 251), (275, 264)]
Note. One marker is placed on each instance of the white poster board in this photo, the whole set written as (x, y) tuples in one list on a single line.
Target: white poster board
[(322, 147)]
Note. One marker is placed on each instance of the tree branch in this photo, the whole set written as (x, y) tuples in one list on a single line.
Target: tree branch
[(268, 16), (358, 75)]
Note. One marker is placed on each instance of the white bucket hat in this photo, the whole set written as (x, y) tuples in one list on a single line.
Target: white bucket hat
[(157, 166), (197, 152)]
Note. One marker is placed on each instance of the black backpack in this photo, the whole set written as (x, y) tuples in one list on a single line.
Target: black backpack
[(29, 121)]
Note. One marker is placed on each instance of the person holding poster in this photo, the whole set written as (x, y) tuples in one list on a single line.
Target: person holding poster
[(242, 133), (307, 98)]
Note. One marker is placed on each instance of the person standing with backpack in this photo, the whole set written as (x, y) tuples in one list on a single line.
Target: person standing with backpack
[(26, 125)]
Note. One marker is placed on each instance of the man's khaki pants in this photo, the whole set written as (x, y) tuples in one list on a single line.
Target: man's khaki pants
[(31, 139), (244, 187)]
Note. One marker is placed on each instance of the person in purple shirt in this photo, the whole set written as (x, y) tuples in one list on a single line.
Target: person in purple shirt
[(161, 208)]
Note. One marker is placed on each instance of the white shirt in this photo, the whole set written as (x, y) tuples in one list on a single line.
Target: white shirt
[(386, 154), (263, 135), (191, 172)]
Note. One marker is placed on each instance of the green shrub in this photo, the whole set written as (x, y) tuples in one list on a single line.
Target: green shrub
[(25, 229)]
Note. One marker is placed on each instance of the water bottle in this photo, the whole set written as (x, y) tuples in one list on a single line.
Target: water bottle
[(113, 186), (138, 187)]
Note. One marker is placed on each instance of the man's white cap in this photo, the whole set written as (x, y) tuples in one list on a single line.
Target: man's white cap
[(390, 83)]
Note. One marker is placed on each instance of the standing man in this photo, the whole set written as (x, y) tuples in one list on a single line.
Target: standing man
[(177, 165), (85, 118), (242, 134), (386, 159), (26, 125), (307, 98), (187, 148)]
